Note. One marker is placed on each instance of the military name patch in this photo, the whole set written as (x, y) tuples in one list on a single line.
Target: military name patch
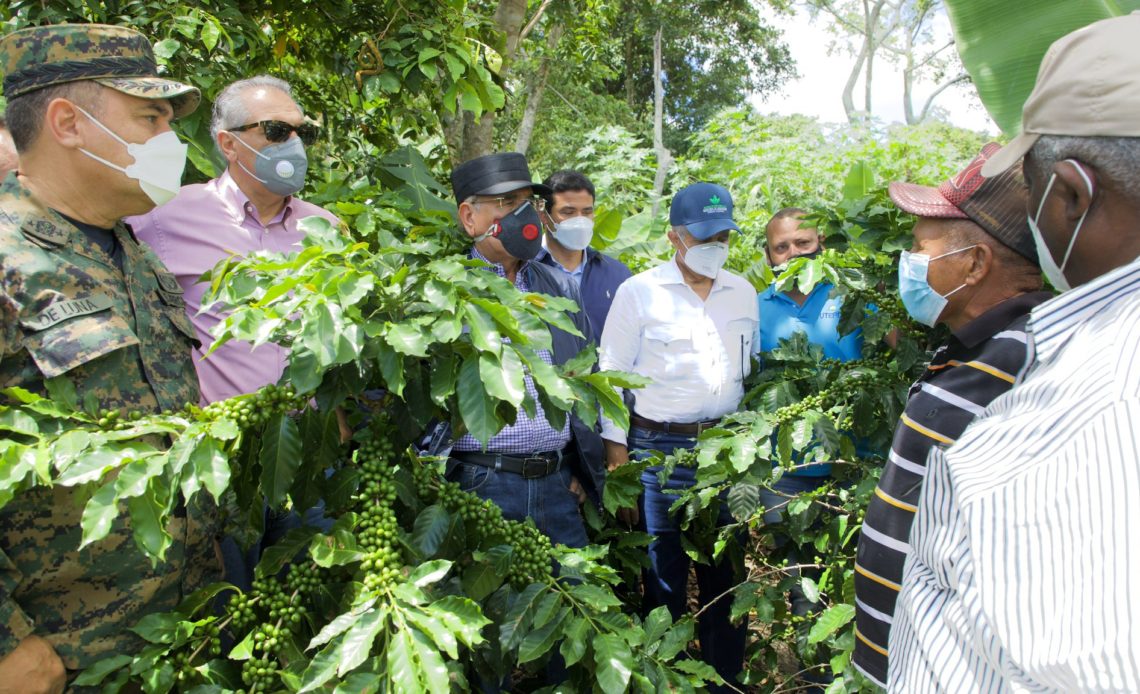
[(68, 308)]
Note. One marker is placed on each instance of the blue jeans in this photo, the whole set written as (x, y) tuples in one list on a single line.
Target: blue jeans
[(666, 583), (548, 500)]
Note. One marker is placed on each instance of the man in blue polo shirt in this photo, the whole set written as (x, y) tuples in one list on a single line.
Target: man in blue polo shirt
[(569, 225), (816, 314)]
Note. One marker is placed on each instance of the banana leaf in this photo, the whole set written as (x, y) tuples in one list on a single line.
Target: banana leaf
[(1002, 43)]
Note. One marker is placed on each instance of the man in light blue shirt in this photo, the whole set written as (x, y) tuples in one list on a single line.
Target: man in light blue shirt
[(816, 314)]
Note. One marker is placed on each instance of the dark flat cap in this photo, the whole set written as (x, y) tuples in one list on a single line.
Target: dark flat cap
[(493, 174)]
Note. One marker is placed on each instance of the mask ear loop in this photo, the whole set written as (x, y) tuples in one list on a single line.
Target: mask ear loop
[(1073, 240)]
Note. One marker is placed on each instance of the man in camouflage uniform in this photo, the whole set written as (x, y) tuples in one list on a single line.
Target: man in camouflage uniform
[(80, 299)]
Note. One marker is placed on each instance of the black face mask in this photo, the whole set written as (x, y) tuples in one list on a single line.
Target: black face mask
[(784, 265), (520, 232)]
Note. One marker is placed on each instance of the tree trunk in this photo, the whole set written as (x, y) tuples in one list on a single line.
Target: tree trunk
[(536, 87), (863, 60), (664, 156), (478, 133)]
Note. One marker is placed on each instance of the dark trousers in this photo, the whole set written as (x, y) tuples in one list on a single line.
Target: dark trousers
[(722, 643)]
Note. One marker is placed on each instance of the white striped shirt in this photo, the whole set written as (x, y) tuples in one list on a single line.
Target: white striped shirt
[(1024, 573)]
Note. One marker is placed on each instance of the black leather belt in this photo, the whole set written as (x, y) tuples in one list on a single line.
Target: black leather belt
[(529, 466), (685, 428)]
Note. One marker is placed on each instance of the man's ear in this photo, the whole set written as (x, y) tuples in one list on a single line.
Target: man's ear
[(227, 146), (981, 264), (819, 237), (467, 218), (61, 121), (1075, 187)]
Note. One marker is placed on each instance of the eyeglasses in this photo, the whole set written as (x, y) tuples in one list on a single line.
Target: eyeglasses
[(512, 202), (279, 131)]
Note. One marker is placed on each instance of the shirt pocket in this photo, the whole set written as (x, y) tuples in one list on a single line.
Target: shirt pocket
[(66, 344), (739, 336), (673, 345)]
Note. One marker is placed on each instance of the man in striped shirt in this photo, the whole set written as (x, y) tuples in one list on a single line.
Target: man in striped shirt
[(972, 268), (1026, 550)]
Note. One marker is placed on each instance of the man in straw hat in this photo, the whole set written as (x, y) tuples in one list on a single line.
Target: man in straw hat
[(81, 300), (1024, 552)]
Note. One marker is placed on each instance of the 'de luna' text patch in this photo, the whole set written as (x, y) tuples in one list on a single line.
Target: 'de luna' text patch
[(68, 308)]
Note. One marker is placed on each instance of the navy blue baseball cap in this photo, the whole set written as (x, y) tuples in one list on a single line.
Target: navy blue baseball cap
[(705, 209)]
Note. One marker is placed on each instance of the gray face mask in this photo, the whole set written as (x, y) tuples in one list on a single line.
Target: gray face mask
[(280, 167)]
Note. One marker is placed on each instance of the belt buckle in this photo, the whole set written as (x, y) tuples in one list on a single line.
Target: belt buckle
[(539, 462)]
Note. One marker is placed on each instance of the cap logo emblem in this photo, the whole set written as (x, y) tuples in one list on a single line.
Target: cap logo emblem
[(714, 206)]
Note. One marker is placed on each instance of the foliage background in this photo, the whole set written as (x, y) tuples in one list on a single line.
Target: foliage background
[(387, 80)]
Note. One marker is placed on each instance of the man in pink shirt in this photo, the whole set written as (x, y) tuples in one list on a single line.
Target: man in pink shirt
[(262, 133)]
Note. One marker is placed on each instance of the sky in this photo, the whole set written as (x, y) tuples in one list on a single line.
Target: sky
[(819, 89)]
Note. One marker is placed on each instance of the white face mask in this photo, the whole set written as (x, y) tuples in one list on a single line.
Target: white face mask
[(574, 233), (1055, 273), (158, 162), (705, 259)]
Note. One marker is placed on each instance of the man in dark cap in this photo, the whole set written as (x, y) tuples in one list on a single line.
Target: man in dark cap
[(530, 469), (689, 325), (1023, 574), (973, 269), (85, 302)]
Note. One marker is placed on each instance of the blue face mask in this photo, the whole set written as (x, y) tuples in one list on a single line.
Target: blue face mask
[(921, 301)]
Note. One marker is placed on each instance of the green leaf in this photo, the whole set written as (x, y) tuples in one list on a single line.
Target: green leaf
[(743, 500), (147, 519), (407, 338), (476, 409), (158, 627), (430, 530), (513, 625), (165, 49), (576, 637), (444, 376), (431, 666), (280, 458), (462, 616), (614, 663), (503, 380), (810, 589), (96, 673), (597, 597), (357, 641), (322, 667), (402, 666), (100, 512), (484, 332), (436, 630), (541, 639), (830, 621), (480, 580), (1001, 45), (430, 572), (391, 368), (211, 467), (341, 624)]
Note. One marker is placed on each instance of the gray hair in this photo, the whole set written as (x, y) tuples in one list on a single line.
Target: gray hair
[(230, 110), (1115, 158)]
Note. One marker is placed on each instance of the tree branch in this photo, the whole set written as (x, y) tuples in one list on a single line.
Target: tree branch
[(533, 20), (963, 77)]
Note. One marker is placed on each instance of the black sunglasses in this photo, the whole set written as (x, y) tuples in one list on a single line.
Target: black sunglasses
[(279, 131)]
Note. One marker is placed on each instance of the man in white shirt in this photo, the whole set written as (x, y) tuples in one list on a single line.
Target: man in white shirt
[(688, 325), (1025, 556)]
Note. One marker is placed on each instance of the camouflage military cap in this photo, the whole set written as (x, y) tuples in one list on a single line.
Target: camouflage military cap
[(116, 57)]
